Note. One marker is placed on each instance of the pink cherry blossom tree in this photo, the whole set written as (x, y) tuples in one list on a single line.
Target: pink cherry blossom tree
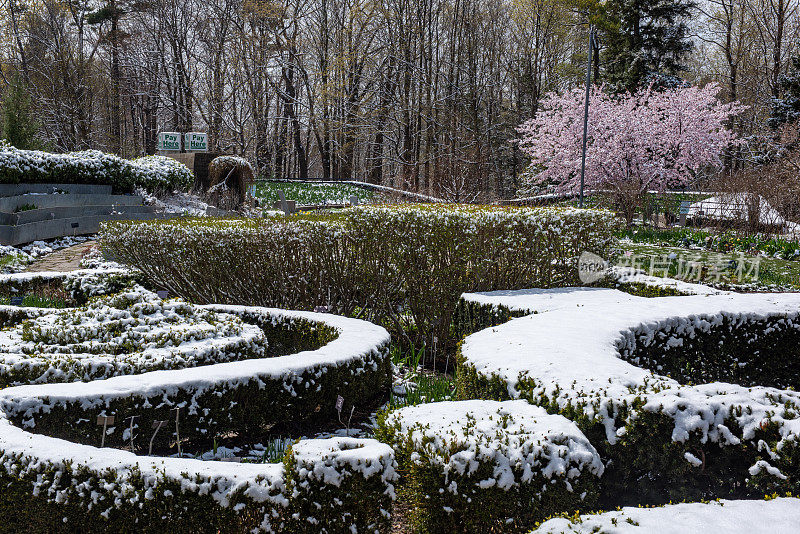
[(651, 140)]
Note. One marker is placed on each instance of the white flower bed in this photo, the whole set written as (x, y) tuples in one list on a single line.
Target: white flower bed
[(125, 334), (510, 457), (777, 516), (567, 356)]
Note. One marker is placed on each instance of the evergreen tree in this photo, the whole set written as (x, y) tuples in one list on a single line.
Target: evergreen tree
[(19, 126), (646, 42), (786, 109)]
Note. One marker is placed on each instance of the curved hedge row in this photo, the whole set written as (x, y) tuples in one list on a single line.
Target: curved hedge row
[(663, 440), (129, 333), (52, 485), (403, 267), (237, 396), (54, 478), (152, 173)]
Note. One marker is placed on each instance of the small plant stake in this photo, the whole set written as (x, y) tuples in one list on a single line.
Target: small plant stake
[(339, 406), (157, 425), (104, 421), (133, 419), (177, 412)]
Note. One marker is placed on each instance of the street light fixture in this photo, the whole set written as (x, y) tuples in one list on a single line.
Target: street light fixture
[(592, 44)]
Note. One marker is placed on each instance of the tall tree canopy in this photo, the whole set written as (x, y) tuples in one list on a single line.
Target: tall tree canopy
[(647, 41)]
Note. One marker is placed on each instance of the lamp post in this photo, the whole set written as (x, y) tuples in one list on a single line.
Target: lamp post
[(592, 42)]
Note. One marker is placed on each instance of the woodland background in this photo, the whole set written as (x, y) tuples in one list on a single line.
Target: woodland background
[(420, 94)]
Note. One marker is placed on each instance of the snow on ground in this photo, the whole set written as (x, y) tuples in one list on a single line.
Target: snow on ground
[(179, 203), (777, 516), (735, 207)]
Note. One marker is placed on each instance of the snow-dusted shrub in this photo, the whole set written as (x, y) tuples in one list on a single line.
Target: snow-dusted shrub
[(340, 485), (399, 265), (230, 177), (774, 516), (161, 173), (666, 434), (74, 287), (485, 466), (339, 482), (153, 173)]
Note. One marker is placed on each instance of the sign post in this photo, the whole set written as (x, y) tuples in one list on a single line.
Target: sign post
[(196, 141), (169, 141)]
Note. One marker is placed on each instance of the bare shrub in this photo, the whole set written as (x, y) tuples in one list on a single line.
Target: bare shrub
[(230, 176)]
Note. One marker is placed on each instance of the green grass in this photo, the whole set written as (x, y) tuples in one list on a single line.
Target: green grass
[(311, 193), (726, 242), (422, 386), (714, 267)]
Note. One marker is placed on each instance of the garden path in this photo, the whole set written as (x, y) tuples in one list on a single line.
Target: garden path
[(66, 259)]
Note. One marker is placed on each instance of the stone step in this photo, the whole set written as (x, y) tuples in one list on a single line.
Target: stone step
[(48, 214), (38, 231), (10, 190), (43, 201)]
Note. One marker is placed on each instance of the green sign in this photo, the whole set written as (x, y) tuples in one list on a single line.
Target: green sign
[(196, 141), (169, 141)]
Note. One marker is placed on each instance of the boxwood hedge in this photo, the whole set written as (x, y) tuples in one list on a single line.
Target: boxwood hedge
[(54, 478), (484, 466), (152, 173), (686, 430), (403, 267)]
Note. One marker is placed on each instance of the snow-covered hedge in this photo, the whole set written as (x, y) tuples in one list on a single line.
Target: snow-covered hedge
[(340, 485), (75, 287), (161, 173), (667, 435), (52, 485), (775, 516), (153, 173), (399, 265), (485, 466), (476, 311), (129, 333), (237, 396)]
